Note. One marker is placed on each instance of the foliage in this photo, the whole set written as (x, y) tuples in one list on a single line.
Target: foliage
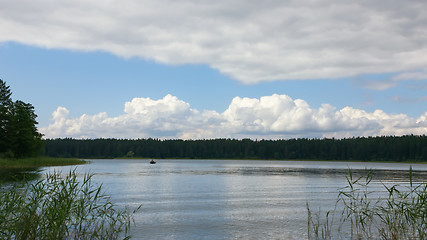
[(18, 132), (5, 115), (402, 214), (61, 208), (405, 148)]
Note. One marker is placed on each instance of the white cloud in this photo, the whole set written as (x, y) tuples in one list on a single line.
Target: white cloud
[(413, 75), (408, 99), (380, 85), (418, 75), (270, 117), (250, 41)]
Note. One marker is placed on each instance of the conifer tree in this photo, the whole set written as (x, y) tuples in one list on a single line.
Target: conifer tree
[(18, 136), (23, 136), (5, 107)]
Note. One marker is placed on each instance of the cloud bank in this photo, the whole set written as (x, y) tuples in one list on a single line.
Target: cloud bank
[(270, 117), (250, 41)]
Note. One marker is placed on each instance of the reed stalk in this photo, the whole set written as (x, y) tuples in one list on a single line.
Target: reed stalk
[(57, 207), (402, 214)]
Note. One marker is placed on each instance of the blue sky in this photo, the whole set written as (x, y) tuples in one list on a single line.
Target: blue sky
[(217, 70)]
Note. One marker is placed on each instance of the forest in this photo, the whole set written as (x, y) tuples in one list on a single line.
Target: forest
[(19, 138), (384, 148)]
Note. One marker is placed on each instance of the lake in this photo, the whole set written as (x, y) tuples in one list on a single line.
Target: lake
[(230, 199)]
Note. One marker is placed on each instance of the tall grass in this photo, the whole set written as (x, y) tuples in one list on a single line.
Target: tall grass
[(61, 208), (401, 214)]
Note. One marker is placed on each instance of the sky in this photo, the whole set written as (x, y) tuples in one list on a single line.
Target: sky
[(218, 69)]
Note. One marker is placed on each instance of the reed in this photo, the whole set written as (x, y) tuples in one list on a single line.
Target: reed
[(57, 207), (402, 214)]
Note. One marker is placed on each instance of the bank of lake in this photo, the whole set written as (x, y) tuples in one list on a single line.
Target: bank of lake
[(37, 162)]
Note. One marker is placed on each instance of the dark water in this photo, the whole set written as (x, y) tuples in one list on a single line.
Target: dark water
[(9, 175), (208, 199)]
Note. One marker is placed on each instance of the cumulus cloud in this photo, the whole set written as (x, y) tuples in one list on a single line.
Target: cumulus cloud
[(250, 41), (270, 117)]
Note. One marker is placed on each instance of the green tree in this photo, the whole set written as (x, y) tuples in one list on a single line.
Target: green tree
[(5, 106), (19, 135), (25, 139)]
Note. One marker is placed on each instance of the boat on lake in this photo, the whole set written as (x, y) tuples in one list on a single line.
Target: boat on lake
[(152, 161)]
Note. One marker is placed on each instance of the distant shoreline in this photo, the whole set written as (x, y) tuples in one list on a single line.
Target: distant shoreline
[(278, 160), (408, 148)]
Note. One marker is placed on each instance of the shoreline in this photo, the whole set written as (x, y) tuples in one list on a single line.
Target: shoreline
[(35, 162), (252, 159)]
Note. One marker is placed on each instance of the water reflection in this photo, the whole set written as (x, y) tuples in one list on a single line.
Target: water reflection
[(8, 175), (190, 199)]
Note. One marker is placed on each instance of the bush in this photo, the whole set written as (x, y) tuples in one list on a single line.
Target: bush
[(61, 208), (7, 155)]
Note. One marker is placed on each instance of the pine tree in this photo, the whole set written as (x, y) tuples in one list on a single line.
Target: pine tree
[(5, 92), (23, 133), (5, 115), (19, 136)]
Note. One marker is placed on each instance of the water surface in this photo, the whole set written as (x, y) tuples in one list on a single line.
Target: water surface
[(230, 199)]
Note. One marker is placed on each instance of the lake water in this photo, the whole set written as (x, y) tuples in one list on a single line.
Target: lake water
[(230, 199)]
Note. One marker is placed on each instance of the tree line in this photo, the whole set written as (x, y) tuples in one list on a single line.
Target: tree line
[(18, 132), (385, 148), (19, 138)]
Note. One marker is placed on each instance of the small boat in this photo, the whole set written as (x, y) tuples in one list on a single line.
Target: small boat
[(152, 161)]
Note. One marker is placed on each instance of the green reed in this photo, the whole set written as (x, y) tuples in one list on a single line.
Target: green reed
[(402, 214), (58, 207)]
